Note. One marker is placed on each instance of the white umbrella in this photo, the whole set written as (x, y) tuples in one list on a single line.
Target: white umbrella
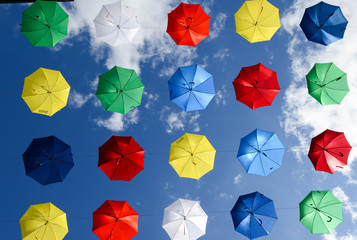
[(184, 220), (116, 23)]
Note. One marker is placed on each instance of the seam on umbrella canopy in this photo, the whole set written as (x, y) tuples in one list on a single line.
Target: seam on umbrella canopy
[(109, 13), (191, 93), (204, 162), (202, 159), (276, 11), (202, 138), (126, 168)]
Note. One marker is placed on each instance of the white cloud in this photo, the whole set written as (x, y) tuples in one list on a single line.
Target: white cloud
[(221, 95), (218, 25), (225, 196), (237, 178), (151, 99), (77, 100), (118, 122), (221, 54), (348, 206), (335, 236)]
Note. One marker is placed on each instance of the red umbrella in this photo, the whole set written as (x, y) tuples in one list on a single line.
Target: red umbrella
[(329, 150), (188, 24), (256, 86), (121, 158), (115, 220)]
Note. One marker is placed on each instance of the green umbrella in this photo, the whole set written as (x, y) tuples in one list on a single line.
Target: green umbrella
[(44, 23), (327, 83), (120, 90), (321, 212)]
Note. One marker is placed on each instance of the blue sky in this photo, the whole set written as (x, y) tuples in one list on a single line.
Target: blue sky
[(84, 124)]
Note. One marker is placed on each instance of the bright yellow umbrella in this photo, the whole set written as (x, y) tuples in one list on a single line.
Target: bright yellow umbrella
[(45, 91), (257, 20), (192, 156), (43, 222)]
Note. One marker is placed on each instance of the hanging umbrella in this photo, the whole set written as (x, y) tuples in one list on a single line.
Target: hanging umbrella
[(44, 23), (329, 150), (117, 24), (191, 88), (188, 24), (184, 220), (45, 91), (257, 20), (254, 215), (120, 90), (320, 212), (192, 156), (327, 83), (323, 23), (256, 86), (43, 222), (115, 220), (121, 158)]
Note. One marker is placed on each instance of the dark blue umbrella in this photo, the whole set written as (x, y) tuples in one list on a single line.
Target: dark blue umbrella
[(323, 23), (261, 152), (48, 160), (253, 215), (191, 88)]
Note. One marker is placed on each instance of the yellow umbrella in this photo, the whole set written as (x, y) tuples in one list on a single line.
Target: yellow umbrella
[(257, 20), (45, 91), (192, 156), (43, 222)]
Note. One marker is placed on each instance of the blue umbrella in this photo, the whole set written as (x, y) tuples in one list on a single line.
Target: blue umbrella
[(48, 160), (323, 23), (254, 215), (191, 88), (261, 152)]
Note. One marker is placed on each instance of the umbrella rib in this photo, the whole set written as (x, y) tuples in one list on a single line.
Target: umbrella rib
[(111, 15), (130, 78)]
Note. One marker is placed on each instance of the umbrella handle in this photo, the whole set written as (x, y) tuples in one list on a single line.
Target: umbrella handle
[(341, 154), (330, 219), (261, 222), (189, 22)]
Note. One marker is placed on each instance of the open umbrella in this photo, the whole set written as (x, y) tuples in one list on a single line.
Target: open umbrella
[(329, 151), (192, 156), (327, 83), (253, 215), (116, 23), (320, 212), (43, 222), (191, 88), (120, 90), (121, 158), (44, 23), (184, 220), (323, 23), (188, 24), (257, 20), (115, 220), (256, 86)]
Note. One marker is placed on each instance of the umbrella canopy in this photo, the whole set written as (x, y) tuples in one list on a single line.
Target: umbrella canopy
[(115, 220), (191, 88), (323, 23), (320, 212), (120, 90), (43, 222), (116, 24), (257, 20), (253, 215), (192, 156), (44, 23), (261, 152), (188, 24), (329, 151), (45, 91), (184, 220), (256, 86), (327, 83), (121, 158)]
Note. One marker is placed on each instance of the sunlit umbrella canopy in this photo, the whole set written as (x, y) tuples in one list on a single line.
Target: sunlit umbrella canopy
[(115, 220), (321, 212), (253, 215), (257, 20), (43, 222), (329, 151), (45, 91), (191, 88), (117, 23), (184, 220), (192, 156), (323, 23), (44, 23), (188, 24), (327, 83), (120, 90)]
